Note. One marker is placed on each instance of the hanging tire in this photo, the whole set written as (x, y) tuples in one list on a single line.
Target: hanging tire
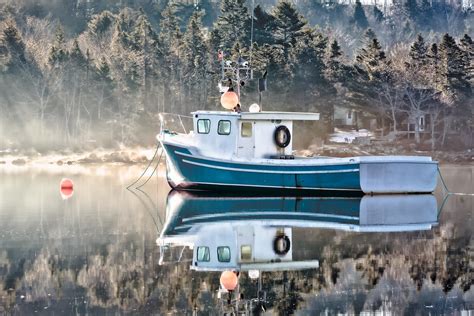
[(282, 136), (281, 245)]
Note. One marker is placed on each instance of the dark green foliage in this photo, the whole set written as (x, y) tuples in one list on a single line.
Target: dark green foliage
[(264, 26), (58, 53), (289, 24), (418, 51), (12, 47), (335, 71), (130, 63), (195, 59), (453, 67), (233, 24), (371, 57)]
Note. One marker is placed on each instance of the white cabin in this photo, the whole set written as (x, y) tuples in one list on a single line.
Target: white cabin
[(229, 135)]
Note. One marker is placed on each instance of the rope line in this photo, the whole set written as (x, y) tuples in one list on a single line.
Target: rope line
[(446, 187), (144, 171), (154, 170)]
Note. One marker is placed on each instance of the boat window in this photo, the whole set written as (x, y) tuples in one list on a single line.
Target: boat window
[(223, 254), (203, 254), (223, 128), (246, 130), (204, 126), (246, 252)]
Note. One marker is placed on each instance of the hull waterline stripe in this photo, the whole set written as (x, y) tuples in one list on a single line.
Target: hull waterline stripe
[(292, 214), (269, 171), (268, 186)]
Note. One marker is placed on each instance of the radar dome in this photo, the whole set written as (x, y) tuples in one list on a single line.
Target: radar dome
[(254, 108)]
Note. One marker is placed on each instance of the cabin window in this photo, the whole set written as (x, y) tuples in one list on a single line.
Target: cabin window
[(204, 126), (246, 252), (223, 254), (203, 254), (223, 128), (246, 130)]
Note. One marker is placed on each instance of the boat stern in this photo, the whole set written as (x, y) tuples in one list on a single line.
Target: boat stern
[(398, 174)]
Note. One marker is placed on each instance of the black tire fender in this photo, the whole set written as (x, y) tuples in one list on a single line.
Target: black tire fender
[(278, 242), (278, 139)]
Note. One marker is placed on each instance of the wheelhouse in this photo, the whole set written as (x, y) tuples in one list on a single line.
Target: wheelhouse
[(229, 135)]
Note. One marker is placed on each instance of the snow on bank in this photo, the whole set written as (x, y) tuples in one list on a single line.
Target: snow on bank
[(341, 136)]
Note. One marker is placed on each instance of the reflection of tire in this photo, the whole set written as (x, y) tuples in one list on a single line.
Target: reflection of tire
[(282, 136), (281, 245)]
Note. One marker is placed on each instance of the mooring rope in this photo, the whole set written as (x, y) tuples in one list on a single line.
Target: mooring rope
[(154, 170), (446, 187), (144, 171)]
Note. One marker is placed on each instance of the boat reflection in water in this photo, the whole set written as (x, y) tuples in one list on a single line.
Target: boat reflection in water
[(255, 234)]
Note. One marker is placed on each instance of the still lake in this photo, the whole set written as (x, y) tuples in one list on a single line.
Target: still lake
[(109, 250)]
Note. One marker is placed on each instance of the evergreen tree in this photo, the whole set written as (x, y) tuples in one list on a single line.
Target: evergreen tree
[(289, 24), (170, 39), (467, 47), (194, 56), (418, 52), (360, 19), (264, 26), (76, 55), (58, 53), (370, 74), (233, 24), (335, 67), (371, 57), (434, 66), (170, 34), (13, 46), (452, 67)]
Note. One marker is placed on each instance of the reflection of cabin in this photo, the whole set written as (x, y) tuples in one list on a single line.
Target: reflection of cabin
[(239, 247)]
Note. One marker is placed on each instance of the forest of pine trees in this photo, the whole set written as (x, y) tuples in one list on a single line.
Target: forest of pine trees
[(75, 74)]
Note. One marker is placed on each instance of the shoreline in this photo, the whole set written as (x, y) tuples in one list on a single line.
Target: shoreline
[(142, 155)]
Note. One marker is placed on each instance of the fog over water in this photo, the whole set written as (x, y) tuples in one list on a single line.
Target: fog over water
[(97, 252)]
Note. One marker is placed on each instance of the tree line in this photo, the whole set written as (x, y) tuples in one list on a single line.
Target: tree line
[(106, 80)]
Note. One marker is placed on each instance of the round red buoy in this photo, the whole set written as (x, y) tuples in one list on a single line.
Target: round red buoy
[(229, 280), (66, 188)]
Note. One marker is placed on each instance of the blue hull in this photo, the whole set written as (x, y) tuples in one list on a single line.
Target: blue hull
[(191, 172)]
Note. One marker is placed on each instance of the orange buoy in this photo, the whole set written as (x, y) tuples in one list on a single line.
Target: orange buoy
[(229, 100), (229, 280), (66, 188)]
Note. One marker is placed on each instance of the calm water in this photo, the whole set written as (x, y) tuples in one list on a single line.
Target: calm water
[(97, 252)]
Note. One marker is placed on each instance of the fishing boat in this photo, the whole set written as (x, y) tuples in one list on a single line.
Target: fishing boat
[(253, 151), (256, 233)]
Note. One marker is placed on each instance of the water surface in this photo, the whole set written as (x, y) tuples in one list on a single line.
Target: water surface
[(97, 251)]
